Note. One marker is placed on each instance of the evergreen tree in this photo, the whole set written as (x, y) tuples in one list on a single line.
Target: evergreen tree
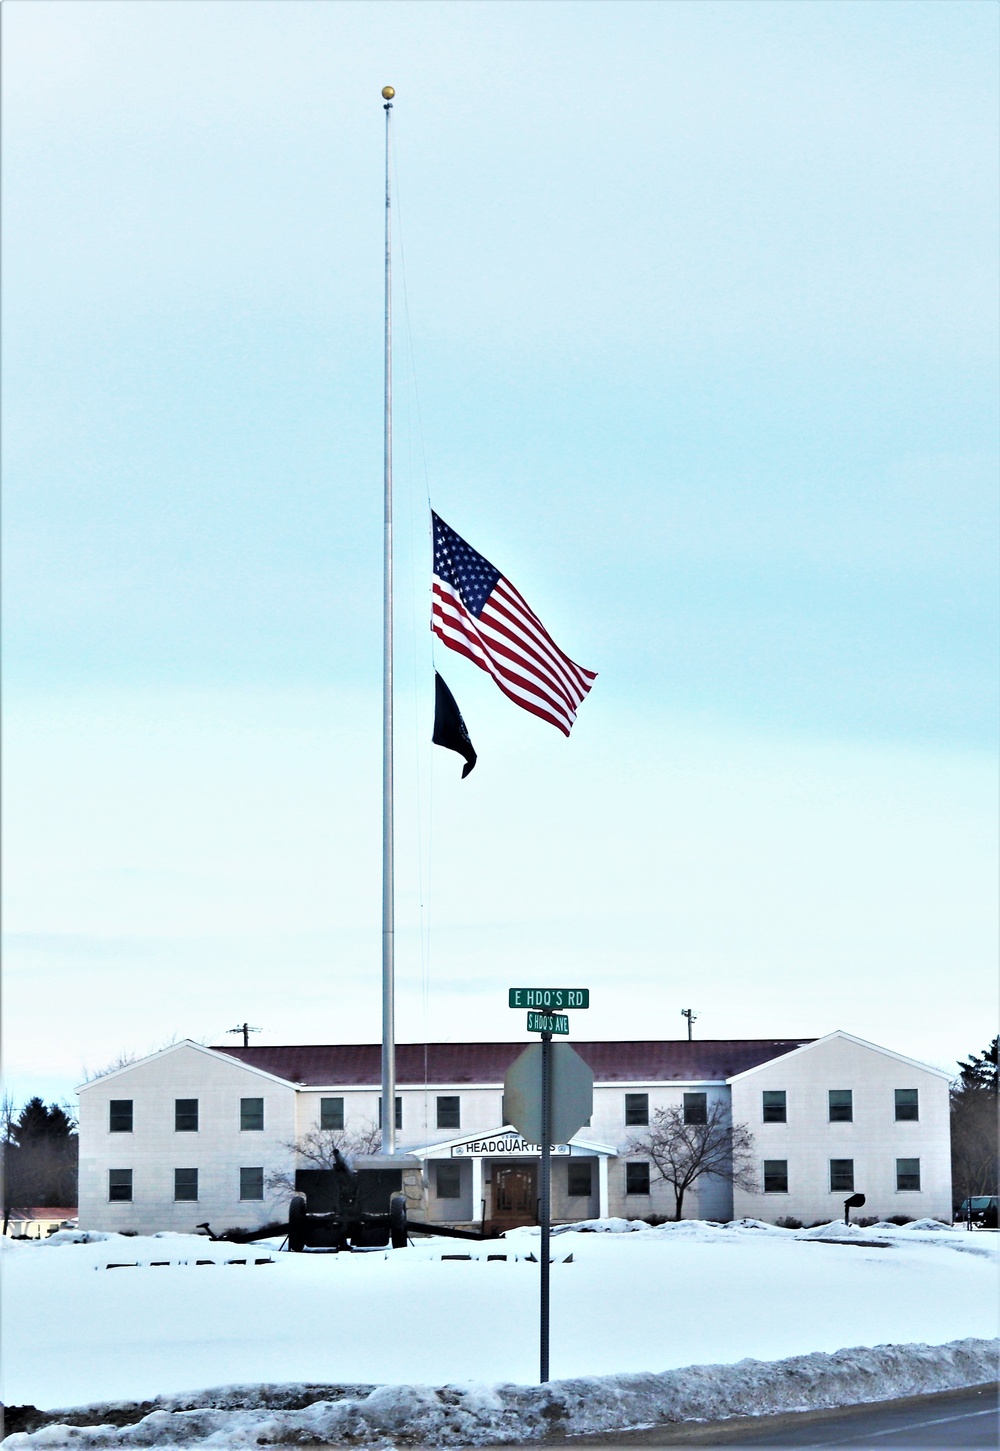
[(40, 1155), (979, 1071), (974, 1103)]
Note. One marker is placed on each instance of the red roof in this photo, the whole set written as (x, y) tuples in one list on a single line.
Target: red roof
[(60, 1213), (359, 1064)]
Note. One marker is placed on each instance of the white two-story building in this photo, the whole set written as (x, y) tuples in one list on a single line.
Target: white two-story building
[(194, 1134)]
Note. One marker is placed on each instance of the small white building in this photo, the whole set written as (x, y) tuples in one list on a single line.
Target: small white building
[(39, 1223), (194, 1134)]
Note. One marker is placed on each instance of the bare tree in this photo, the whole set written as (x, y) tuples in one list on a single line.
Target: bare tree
[(318, 1149), (127, 1056), (682, 1153), (123, 1059)]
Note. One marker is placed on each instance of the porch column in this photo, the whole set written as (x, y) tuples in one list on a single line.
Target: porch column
[(602, 1186), (477, 1187)]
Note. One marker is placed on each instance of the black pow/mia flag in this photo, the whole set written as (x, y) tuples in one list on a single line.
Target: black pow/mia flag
[(449, 727)]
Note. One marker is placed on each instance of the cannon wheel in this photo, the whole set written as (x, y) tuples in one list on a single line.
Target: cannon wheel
[(397, 1220), (297, 1223)]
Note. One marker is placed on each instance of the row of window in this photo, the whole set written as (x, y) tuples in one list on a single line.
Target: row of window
[(841, 1175), (774, 1110), (840, 1105), (637, 1108), (185, 1185), (774, 1106), (121, 1114), (580, 1180), (775, 1176)]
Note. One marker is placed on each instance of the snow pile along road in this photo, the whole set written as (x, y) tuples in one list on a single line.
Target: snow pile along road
[(479, 1415), (132, 1319)]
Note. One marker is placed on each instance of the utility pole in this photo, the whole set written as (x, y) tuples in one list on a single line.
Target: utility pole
[(691, 1016), (246, 1030)]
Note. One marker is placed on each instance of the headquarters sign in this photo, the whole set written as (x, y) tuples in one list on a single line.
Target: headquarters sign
[(514, 1145)]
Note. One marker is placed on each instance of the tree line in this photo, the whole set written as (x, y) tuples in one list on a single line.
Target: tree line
[(40, 1157)]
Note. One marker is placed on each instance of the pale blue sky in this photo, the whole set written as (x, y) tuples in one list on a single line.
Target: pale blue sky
[(701, 310)]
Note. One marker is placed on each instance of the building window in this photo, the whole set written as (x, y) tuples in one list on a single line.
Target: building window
[(841, 1106), (580, 1178), (399, 1113), (251, 1115), (907, 1173), (841, 1176), (637, 1108), (774, 1107), (120, 1186), (251, 1183), (120, 1116), (636, 1178), (449, 1180), (185, 1115), (449, 1113), (696, 1108), (907, 1104), (331, 1113), (775, 1176), (185, 1185)]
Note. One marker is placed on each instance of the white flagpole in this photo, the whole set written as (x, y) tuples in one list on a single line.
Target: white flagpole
[(388, 924)]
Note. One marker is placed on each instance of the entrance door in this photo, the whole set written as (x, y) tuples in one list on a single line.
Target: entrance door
[(515, 1195)]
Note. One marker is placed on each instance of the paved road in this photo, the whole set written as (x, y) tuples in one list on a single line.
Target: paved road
[(968, 1420)]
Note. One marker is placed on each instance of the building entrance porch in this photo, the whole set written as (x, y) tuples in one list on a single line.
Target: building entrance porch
[(515, 1195)]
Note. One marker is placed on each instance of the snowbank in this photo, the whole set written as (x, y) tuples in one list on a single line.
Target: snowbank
[(135, 1318), (839, 1230), (479, 1415), (594, 1226)]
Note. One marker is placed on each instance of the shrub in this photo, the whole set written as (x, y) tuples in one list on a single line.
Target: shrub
[(788, 1221), (900, 1219)]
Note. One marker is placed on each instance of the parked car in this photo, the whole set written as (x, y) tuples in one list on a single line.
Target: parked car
[(980, 1211)]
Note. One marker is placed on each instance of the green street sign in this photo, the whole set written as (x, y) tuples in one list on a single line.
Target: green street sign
[(548, 1023), (550, 999)]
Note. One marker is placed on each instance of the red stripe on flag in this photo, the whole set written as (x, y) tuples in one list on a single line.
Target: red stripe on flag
[(531, 671)]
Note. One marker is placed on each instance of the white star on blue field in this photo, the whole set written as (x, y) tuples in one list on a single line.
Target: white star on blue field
[(458, 564)]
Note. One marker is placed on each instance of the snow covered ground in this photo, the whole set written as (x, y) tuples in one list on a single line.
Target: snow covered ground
[(77, 1331)]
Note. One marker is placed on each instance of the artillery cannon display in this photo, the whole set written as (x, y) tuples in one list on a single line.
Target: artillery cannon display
[(357, 1208), (343, 1207), (347, 1208)]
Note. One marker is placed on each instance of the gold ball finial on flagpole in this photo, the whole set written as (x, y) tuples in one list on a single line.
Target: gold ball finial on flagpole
[(387, 93)]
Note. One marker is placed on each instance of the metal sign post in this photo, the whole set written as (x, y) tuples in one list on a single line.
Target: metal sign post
[(546, 1206), (536, 1105)]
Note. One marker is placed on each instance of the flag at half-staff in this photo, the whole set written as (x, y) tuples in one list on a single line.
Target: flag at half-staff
[(479, 613), (450, 729)]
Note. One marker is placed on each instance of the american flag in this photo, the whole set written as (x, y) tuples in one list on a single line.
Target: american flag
[(479, 613)]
